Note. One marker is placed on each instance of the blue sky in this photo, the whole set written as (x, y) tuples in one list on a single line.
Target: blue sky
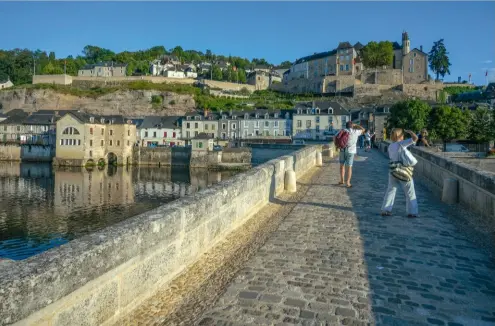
[(276, 31)]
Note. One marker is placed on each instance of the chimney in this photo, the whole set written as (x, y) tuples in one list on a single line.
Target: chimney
[(421, 48)]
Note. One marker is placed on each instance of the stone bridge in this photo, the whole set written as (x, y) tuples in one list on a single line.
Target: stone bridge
[(251, 251)]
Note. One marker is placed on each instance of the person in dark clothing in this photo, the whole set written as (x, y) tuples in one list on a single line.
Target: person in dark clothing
[(423, 138)]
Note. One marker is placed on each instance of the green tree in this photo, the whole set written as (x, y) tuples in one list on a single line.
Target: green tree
[(52, 69), (178, 52), (438, 59), (217, 73), (448, 123), (285, 65), (377, 54), (95, 54), (409, 114), (51, 56), (242, 76), (481, 127)]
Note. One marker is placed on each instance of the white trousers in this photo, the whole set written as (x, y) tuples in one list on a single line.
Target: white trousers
[(408, 188)]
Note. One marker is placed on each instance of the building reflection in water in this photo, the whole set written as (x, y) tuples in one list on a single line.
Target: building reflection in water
[(42, 207)]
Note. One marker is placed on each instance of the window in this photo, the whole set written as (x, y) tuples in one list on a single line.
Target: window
[(111, 132), (196, 125), (308, 123), (275, 133), (154, 134), (317, 128), (164, 134), (61, 142), (267, 123), (67, 131), (111, 143), (212, 127), (347, 57), (233, 126), (299, 123), (90, 131), (91, 143), (102, 131), (206, 126), (346, 67), (195, 134), (317, 119), (223, 126), (341, 58), (173, 135), (246, 124), (128, 143), (4, 128), (188, 134), (188, 125), (78, 142), (101, 143), (90, 153), (275, 124), (200, 144), (256, 124), (341, 67), (118, 142), (128, 132)]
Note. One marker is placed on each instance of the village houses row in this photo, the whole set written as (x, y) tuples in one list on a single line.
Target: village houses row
[(85, 137)]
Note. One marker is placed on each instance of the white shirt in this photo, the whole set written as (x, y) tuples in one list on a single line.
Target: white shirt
[(352, 141), (368, 136), (393, 149)]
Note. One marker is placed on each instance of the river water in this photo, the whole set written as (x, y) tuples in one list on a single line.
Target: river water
[(42, 207)]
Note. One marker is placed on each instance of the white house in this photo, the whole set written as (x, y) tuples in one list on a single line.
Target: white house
[(160, 131), (5, 84), (174, 73)]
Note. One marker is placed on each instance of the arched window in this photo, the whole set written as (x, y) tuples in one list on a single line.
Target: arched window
[(70, 131)]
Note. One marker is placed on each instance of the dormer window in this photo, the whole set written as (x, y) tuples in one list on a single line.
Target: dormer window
[(234, 117), (308, 111), (189, 118), (246, 116), (299, 111), (257, 115), (330, 111), (287, 116), (197, 117), (224, 117), (317, 111), (102, 120), (92, 119), (267, 116), (275, 115)]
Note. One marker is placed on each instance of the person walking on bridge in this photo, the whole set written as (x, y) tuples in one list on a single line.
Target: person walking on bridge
[(400, 174), (348, 150)]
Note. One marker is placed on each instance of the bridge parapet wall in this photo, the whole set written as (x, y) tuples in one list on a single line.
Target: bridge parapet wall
[(97, 278)]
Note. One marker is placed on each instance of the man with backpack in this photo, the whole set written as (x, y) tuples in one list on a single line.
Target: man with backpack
[(346, 141)]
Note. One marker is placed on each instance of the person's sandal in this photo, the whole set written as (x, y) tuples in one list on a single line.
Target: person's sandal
[(386, 214)]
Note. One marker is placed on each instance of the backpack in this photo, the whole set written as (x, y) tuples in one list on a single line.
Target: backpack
[(342, 139)]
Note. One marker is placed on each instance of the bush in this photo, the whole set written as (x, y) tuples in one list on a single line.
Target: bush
[(156, 99), (171, 102)]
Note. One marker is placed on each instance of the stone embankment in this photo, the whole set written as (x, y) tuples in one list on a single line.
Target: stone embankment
[(136, 103), (100, 277)]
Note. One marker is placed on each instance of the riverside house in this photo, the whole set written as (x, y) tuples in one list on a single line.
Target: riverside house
[(88, 139), (160, 131)]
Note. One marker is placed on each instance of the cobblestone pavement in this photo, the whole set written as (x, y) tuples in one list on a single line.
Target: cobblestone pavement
[(334, 260)]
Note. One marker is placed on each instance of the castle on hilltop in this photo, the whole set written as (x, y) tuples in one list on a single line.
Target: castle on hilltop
[(339, 69)]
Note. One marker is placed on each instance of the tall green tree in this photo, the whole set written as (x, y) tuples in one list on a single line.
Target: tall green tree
[(377, 54), (448, 123), (285, 65), (481, 127), (242, 76), (439, 59), (217, 73), (409, 114)]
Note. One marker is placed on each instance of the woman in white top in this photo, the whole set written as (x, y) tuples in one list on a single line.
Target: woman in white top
[(397, 136)]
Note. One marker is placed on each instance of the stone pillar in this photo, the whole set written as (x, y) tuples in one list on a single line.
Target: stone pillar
[(450, 193), (319, 160), (290, 181), (331, 152)]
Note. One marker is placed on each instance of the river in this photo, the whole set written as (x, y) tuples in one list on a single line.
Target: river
[(43, 207)]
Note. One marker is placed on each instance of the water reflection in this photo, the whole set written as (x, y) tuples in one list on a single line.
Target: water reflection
[(42, 207)]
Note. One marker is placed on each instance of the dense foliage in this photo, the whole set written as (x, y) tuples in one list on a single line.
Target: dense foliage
[(443, 122), (20, 64), (377, 54)]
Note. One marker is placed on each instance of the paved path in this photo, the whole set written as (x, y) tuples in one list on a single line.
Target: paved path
[(335, 261)]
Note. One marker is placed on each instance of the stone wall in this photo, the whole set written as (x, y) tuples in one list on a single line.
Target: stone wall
[(383, 76), (99, 277), (52, 79), (427, 92), (236, 155), (476, 187), (10, 152), (361, 90)]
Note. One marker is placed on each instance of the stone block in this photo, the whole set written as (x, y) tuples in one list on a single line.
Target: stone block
[(141, 278), (290, 181), (93, 309)]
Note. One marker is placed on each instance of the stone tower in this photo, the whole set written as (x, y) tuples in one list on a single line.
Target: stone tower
[(406, 44)]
